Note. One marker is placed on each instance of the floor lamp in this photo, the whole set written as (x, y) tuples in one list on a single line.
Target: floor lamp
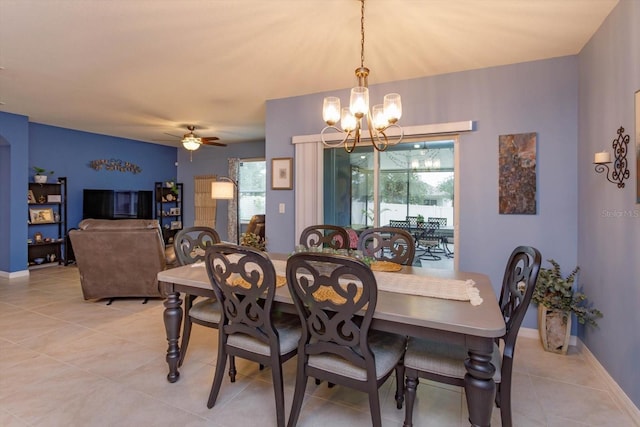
[(226, 188)]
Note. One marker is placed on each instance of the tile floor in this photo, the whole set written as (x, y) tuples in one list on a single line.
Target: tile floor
[(68, 362)]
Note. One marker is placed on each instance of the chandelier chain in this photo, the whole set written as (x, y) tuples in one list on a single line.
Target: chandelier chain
[(362, 34)]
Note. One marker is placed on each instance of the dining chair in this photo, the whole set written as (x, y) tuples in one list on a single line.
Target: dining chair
[(325, 236), (444, 241), (444, 362), (336, 297), (388, 244), (189, 245), (244, 281)]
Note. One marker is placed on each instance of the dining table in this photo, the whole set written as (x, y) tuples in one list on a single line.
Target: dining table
[(474, 323)]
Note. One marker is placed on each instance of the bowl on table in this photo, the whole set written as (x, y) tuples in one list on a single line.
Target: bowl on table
[(38, 260)]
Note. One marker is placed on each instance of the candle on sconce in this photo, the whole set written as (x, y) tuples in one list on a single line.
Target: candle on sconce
[(603, 157)]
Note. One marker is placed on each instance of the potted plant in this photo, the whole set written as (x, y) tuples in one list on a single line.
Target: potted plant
[(253, 241), (420, 219), (557, 300), (40, 176)]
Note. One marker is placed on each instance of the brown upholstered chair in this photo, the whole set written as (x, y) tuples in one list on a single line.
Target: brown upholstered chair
[(336, 297), (325, 236), (257, 225), (244, 281), (190, 245), (388, 244), (119, 258), (444, 362)]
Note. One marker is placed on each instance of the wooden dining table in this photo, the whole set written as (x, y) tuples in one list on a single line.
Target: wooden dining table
[(474, 326)]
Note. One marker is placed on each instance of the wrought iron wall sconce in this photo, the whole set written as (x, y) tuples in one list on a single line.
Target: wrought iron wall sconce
[(619, 172)]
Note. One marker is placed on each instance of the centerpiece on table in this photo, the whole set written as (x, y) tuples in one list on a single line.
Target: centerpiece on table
[(557, 300)]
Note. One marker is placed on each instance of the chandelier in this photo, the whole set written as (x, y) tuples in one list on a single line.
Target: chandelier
[(379, 119)]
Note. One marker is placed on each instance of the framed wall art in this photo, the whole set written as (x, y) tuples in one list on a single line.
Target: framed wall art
[(517, 173), (41, 216), (281, 173)]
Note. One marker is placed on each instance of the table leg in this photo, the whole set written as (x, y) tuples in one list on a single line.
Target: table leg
[(172, 322), (478, 382)]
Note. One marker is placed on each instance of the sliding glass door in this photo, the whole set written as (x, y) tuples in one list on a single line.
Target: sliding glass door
[(415, 179)]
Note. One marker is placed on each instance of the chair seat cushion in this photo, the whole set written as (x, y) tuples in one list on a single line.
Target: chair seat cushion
[(387, 349), (207, 310), (289, 331), (444, 358)]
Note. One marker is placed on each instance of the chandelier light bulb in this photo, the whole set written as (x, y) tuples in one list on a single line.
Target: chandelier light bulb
[(348, 120), (379, 119), (331, 110), (359, 104), (392, 107)]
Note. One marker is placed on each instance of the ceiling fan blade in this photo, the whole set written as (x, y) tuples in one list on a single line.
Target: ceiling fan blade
[(209, 138), (218, 144)]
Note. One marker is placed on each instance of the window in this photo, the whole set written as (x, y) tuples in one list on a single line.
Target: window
[(252, 183), (415, 178)]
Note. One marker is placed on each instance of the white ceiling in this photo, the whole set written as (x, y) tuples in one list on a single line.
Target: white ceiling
[(142, 68)]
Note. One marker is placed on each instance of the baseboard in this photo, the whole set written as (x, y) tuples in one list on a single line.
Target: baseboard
[(14, 274), (533, 333), (617, 393)]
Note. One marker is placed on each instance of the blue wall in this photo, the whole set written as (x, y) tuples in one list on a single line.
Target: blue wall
[(68, 153), (538, 96), (608, 217)]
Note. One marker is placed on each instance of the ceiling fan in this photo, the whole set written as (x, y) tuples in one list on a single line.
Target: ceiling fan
[(192, 142)]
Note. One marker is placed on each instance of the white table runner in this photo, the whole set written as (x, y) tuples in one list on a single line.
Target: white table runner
[(460, 290)]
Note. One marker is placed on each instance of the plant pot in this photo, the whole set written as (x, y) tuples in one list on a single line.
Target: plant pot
[(40, 179), (554, 330)]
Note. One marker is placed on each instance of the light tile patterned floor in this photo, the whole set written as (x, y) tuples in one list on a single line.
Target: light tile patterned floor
[(69, 362)]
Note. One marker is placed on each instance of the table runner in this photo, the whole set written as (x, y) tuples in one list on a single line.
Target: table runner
[(460, 290)]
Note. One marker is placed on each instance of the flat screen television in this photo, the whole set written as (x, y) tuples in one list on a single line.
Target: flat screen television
[(117, 204)]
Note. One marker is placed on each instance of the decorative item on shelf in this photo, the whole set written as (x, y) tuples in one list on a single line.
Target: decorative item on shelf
[(40, 176), (41, 199), (38, 260), (168, 198), (174, 211), (379, 120), (30, 197), (41, 216), (171, 185), (620, 171), (557, 300), (37, 237), (253, 241), (54, 198)]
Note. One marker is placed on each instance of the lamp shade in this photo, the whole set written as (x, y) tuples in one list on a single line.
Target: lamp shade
[(222, 190)]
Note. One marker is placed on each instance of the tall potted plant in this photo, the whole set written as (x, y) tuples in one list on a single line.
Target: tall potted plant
[(557, 300)]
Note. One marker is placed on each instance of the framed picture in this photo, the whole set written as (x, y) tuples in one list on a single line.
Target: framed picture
[(176, 225), (281, 173), (41, 216), (31, 198), (37, 237), (174, 211)]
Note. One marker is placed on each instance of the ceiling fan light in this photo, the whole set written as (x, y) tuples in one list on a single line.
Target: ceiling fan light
[(190, 143)]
